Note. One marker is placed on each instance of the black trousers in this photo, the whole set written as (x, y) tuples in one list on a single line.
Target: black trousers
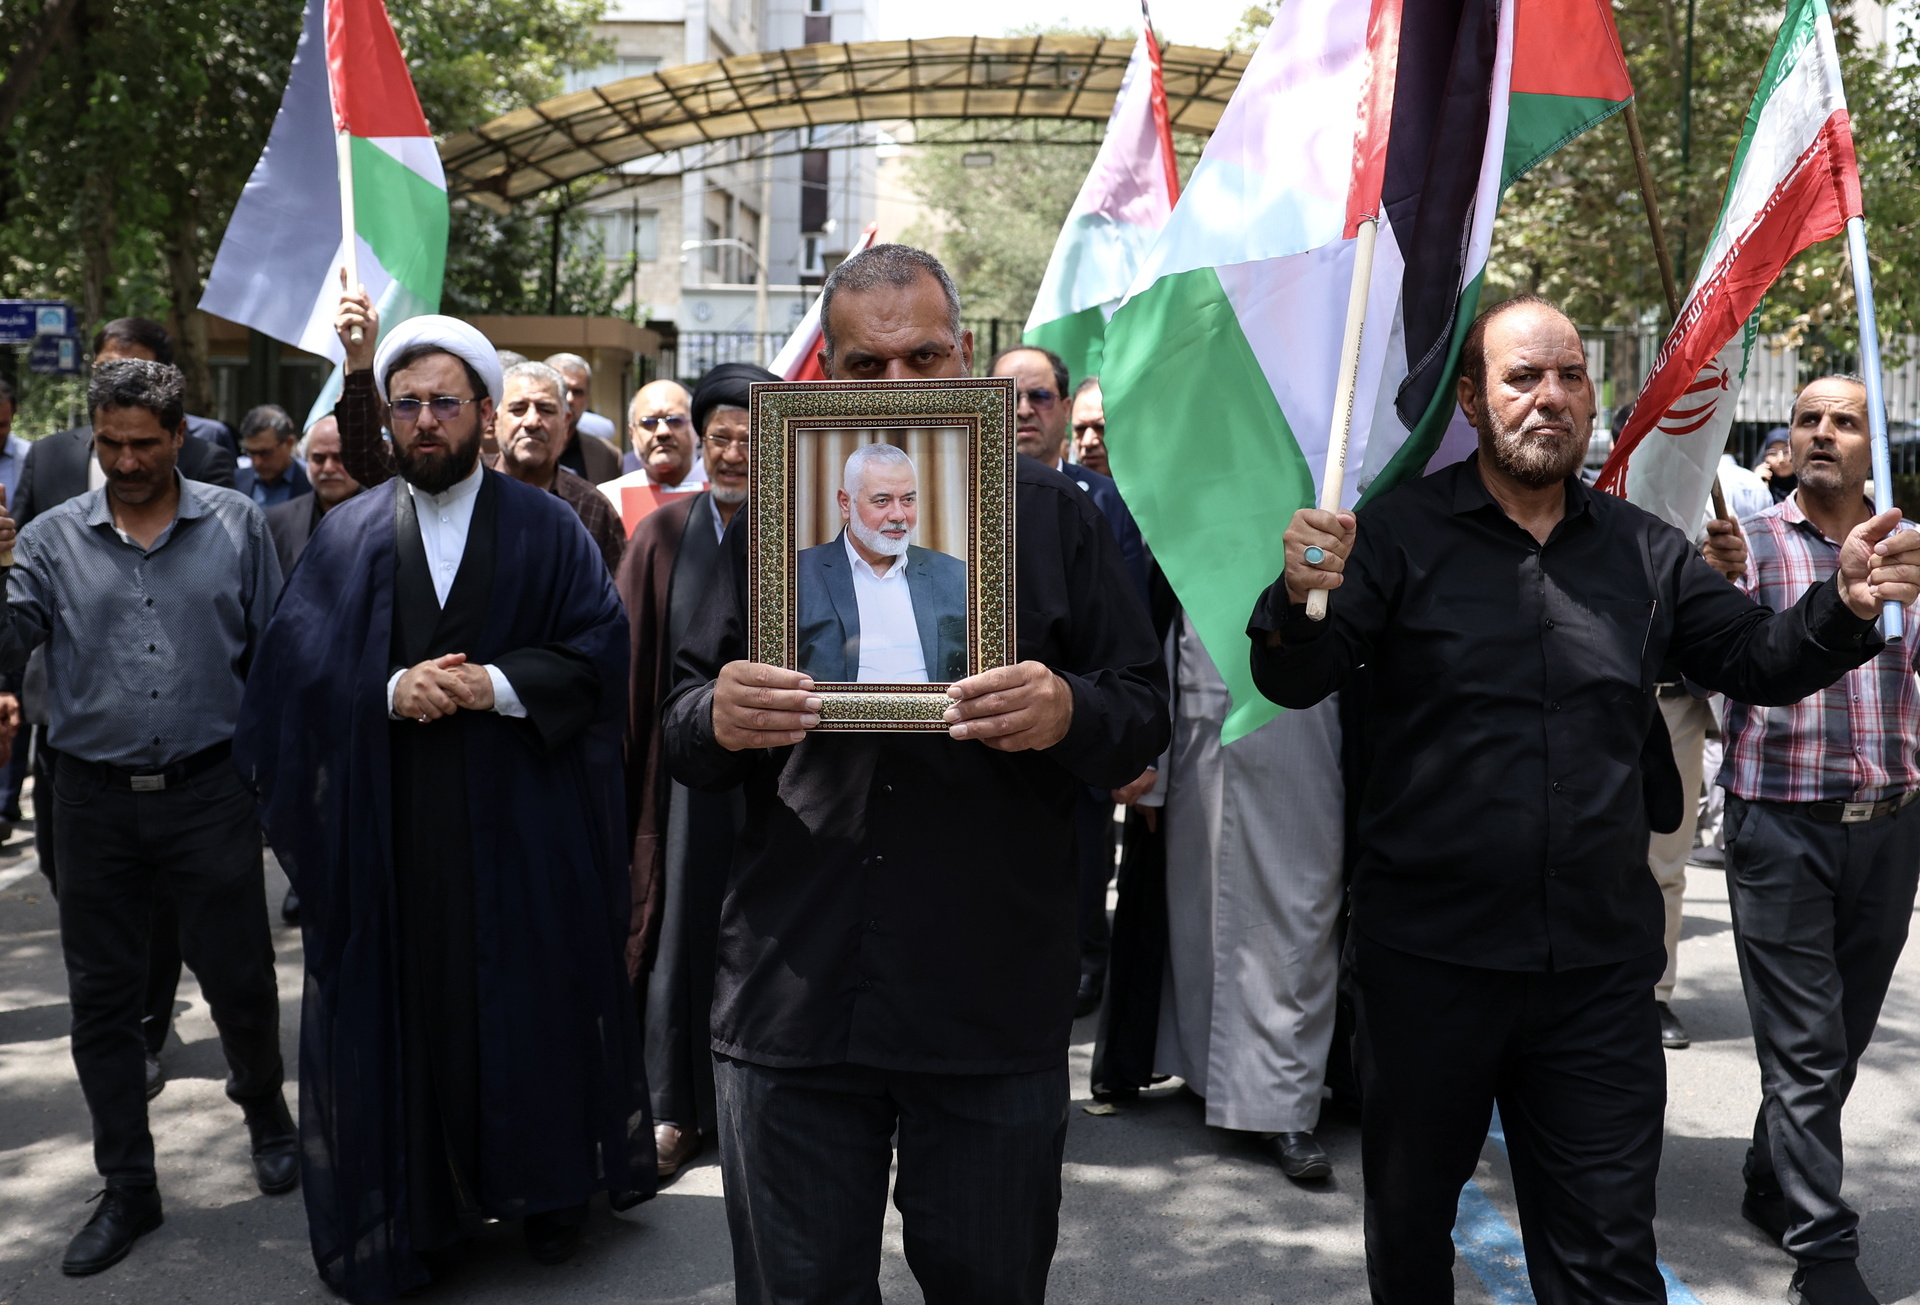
[(1093, 848), (1129, 1026), (163, 940), (1573, 1060), (199, 842), (805, 1153), (1820, 914)]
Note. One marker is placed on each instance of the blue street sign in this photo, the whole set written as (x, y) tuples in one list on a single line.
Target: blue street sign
[(22, 320), (54, 355)]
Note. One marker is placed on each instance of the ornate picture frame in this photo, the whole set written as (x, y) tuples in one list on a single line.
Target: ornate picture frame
[(798, 433)]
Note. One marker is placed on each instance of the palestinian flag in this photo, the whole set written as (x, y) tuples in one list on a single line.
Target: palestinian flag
[(1124, 202), (1793, 184), (278, 269), (1220, 365)]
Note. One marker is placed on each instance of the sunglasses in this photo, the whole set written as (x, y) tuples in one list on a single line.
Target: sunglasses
[(443, 408), (1038, 398), (655, 423)]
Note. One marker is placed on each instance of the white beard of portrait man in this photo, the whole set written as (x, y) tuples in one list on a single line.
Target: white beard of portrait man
[(873, 607)]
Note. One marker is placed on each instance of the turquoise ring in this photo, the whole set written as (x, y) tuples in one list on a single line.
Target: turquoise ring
[(1314, 555)]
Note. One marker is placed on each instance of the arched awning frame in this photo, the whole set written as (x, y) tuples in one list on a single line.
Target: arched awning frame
[(748, 106)]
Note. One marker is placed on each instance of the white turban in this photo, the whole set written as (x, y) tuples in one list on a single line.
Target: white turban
[(449, 333)]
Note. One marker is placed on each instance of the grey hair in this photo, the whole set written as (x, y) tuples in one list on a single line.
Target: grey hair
[(570, 362), (538, 371), (887, 455), (897, 266), (137, 383), (268, 417), (508, 358)]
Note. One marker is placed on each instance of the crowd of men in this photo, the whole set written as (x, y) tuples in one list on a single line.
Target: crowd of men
[(583, 891)]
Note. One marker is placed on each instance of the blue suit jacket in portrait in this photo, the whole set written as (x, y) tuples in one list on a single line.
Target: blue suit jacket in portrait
[(829, 624)]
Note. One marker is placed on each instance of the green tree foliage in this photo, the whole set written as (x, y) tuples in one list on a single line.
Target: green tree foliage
[(1575, 229), (503, 263), (122, 159)]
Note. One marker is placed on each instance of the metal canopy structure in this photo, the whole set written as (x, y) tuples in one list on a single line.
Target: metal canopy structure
[(609, 128)]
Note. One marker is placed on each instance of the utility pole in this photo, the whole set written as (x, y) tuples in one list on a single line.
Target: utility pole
[(764, 350)]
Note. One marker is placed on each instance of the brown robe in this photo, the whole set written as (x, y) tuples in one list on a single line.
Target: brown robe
[(645, 581)]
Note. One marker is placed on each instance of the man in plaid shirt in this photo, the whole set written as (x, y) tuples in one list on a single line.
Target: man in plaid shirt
[(1822, 853)]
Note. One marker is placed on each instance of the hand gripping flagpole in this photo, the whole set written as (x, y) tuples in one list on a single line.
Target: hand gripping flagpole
[(1333, 480), (1892, 618)]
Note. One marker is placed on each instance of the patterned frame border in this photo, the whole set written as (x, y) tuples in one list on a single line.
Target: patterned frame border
[(780, 413)]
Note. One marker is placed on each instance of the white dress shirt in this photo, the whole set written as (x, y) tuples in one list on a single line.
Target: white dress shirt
[(444, 521), (890, 651)]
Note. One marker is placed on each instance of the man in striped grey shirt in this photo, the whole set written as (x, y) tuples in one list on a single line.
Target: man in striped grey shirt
[(150, 594)]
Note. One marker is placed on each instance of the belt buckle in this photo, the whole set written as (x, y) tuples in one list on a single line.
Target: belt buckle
[(150, 783), (1853, 813)]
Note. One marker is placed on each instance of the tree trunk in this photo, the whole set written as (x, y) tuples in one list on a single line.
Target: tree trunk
[(189, 325), (99, 225), (55, 24)]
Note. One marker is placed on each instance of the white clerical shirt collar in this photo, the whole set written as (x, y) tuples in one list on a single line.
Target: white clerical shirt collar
[(444, 520)]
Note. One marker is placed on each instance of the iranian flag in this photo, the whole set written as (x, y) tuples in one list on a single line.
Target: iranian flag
[(349, 109), (1793, 184), (1124, 202), (1220, 364)]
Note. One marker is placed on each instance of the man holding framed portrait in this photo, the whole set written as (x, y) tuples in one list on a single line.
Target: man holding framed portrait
[(898, 949)]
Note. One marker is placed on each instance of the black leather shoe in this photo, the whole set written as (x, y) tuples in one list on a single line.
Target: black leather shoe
[(156, 1076), (1087, 1000), (126, 1214), (1766, 1211), (1301, 1158), (276, 1145), (1673, 1034), (290, 907), (1830, 1282), (554, 1237)]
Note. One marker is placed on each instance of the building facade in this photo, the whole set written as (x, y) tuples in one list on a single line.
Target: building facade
[(709, 224)]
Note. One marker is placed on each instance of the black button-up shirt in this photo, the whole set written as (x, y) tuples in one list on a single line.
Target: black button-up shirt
[(907, 901), (1503, 822)]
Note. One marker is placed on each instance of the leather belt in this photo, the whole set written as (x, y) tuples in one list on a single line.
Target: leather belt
[(156, 781), (1836, 812)]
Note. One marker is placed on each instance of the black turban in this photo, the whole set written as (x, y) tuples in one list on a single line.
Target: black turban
[(724, 386)]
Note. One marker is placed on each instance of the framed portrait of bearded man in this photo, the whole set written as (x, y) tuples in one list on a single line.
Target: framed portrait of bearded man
[(881, 541)]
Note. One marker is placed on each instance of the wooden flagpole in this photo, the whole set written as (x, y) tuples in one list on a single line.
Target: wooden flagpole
[(1333, 480)]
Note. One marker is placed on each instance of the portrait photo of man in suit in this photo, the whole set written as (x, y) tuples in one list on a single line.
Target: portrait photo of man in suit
[(875, 607)]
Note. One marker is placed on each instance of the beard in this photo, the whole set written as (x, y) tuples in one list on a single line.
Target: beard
[(1535, 460), (878, 542), (731, 497), (436, 472)]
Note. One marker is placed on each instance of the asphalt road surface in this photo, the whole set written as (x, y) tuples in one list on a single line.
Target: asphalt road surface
[(1158, 1207)]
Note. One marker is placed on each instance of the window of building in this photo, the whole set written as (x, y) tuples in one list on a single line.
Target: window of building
[(626, 231), (819, 29), (582, 79), (815, 170), (710, 254)]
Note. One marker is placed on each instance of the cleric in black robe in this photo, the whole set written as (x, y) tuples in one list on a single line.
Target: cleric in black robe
[(469, 1048), (682, 838)]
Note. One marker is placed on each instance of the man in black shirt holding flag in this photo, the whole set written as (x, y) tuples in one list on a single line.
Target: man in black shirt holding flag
[(1507, 932)]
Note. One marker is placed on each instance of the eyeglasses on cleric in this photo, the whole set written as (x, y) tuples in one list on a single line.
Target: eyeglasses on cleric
[(444, 407)]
